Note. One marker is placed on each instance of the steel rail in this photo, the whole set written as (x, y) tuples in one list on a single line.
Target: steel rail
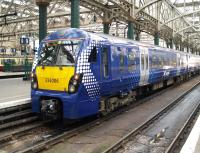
[(17, 115), (18, 122), (21, 131), (119, 144), (68, 134), (175, 143), (14, 109)]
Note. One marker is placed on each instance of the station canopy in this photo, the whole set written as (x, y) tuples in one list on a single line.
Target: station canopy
[(177, 19)]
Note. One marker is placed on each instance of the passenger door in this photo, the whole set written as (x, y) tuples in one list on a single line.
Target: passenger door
[(144, 65), (105, 70)]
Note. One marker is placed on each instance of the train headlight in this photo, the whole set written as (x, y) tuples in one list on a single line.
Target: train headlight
[(76, 76), (35, 85), (75, 82), (72, 88)]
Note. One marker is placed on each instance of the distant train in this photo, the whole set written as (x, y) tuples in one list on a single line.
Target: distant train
[(16, 63), (77, 74)]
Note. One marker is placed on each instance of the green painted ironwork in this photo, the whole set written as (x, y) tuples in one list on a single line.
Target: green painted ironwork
[(171, 43), (137, 37), (42, 22), (7, 66), (75, 15), (130, 33), (156, 38), (106, 28), (27, 69)]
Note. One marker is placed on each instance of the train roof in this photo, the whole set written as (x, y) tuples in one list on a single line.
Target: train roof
[(74, 33)]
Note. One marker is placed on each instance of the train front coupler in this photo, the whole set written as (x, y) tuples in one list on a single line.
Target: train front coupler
[(51, 109)]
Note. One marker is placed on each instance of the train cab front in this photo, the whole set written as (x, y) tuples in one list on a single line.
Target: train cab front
[(54, 82)]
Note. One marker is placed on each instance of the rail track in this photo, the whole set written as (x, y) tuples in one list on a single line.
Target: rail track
[(54, 136), (121, 143), (61, 136), (15, 116), (181, 137), (14, 121)]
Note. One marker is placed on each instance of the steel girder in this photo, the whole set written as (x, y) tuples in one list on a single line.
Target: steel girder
[(144, 13)]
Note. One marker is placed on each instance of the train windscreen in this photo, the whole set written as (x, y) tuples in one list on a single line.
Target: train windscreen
[(61, 53)]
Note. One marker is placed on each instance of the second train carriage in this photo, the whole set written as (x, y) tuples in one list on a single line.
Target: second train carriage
[(77, 74)]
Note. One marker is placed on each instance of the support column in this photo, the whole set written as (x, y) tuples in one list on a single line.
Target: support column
[(42, 18), (130, 33), (106, 27), (137, 37), (75, 15), (187, 49), (171, 43), (156, 38)]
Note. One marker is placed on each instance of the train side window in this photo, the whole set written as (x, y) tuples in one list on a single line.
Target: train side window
[(121, 56), (105, 61), (154, 62), (131, 60), (93, 55)]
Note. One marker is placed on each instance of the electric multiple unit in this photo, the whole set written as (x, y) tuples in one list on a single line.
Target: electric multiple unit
[(77, 74)]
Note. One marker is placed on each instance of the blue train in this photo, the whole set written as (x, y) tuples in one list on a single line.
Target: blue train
[(77, 74)]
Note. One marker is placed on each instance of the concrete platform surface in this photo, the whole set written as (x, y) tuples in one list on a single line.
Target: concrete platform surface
[(11, 73), (192, 144), (14, 89)]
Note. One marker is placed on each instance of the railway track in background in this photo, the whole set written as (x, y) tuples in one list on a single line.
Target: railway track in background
[(174, 144), (15, 116), (14, 121), (69, 133), (182, 135)]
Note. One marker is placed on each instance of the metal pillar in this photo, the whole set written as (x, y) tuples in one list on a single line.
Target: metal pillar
[(187, 49), (137, 37), (42, 18), (177, 47), (130, 33), (106, 27), (180, 47), (171, 43), (156, 38), (75, 15)]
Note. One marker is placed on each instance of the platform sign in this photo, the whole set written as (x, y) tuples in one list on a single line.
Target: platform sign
[(13, 50), (24, 41), (2, 50)]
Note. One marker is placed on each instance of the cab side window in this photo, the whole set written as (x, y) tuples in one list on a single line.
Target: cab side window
[(93, 55)]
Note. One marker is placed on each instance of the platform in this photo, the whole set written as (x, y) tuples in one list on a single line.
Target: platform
[(4, 75), (192, 144), (13, 92)]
